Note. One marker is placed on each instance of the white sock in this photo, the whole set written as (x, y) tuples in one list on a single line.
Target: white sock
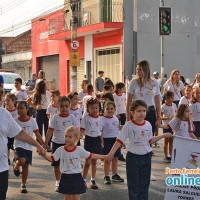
[(57, 183), (84, 180), (92, 179)]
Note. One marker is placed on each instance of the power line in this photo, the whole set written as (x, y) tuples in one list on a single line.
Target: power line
[(28, 22), (10, 7)]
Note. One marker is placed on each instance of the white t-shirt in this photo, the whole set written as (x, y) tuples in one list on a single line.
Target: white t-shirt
[(45, 100), (147, 93), (195, 110), (196, 85), (110, 127), (59, 124), (168, 111), (84, 104), (81, 95), (8, 128), (29, 126), (13, 113), (77, 113), (91, 125), (159, 81), (184, 100), (139, 136), (21, 94), (52, 110), (120, 102), (173, 88), (70, 159), (180, 127)]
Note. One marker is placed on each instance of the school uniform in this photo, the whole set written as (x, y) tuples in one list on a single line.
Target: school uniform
[(81, 95), (92, 127), (196, 85), (176, 90), (195, 110), (52, 110), (41, 116), (78, 114), (84, 104), (21, 95), (138, 159), (8, 128), (11, 140), (146, 93), (59, 124), (184, 100), (168, 111), (120, 102), (181, 127), (23, 149), (70, 167), (110, 131)]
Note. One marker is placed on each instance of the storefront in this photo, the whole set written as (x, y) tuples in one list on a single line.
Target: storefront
[(100, 47)]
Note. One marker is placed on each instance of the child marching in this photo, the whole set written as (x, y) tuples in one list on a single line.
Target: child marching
[(53, 107), (71, 183), (91, 128), (168, 111), (57, 127), (138, 159), (23, 151), (110, 131)]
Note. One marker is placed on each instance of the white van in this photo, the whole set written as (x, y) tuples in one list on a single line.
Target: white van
[(9, 79)]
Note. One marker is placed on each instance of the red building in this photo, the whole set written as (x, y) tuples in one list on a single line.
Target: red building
[(100, 47)]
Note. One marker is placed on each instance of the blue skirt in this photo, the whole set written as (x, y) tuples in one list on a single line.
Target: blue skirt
[(169, 130), (108, 144), (72, 184), (197, 129), (93, 144), (23, 153), (54, 147)]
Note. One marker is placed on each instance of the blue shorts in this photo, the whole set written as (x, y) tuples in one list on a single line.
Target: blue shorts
[(23, 153), (10, 143), (108, 144), (54, 147)]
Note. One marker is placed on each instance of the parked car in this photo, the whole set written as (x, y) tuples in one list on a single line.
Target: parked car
[(9, 79)]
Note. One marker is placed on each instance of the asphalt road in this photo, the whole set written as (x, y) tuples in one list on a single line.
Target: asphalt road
[(41, 182)]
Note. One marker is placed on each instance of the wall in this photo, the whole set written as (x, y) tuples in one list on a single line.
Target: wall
[(182, 48), (19, 43)]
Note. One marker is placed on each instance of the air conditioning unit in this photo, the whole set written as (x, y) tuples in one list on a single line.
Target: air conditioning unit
[(87, 19)]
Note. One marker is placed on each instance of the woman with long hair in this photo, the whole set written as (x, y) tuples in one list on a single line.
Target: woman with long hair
[(144, 87), (40, 100), (196, 82), (175, 85)]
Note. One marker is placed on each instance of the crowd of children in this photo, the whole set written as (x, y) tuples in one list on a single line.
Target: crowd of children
[(101, 123)]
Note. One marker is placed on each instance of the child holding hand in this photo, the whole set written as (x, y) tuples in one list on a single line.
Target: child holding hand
[(138, 159), (71, 183)]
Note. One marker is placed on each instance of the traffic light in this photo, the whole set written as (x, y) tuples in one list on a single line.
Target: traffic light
[(165, 22)]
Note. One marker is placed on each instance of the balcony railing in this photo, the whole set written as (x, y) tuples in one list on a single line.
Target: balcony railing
[(87, 16)]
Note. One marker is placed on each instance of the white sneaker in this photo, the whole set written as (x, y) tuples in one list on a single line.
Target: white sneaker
[(153, 178)]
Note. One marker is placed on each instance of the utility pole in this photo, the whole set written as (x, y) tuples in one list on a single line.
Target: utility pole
[(162, 52), (74, 25)]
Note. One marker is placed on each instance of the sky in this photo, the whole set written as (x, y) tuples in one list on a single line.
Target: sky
[(16, 15)]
